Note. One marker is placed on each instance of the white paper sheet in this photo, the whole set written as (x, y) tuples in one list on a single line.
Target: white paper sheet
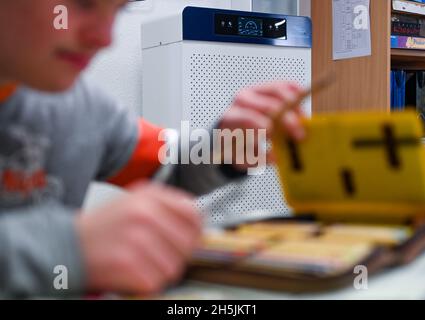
[(351, 37)]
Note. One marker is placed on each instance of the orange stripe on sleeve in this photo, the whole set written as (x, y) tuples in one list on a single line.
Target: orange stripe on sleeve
[(6, 91), (144, 161)]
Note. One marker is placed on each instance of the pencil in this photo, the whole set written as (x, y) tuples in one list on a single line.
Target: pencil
[(318, 86)]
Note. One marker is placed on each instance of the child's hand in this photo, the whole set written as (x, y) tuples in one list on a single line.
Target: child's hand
[(140, 243), (256, 107)]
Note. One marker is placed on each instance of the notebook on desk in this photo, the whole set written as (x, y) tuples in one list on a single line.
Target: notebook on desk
[(357, 188)]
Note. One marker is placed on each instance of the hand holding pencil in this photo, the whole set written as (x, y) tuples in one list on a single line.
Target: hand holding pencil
[(317, 86), (271, 106), (257, 107)]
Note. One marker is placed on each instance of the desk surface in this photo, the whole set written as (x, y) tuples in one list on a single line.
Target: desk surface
[(407, 282)]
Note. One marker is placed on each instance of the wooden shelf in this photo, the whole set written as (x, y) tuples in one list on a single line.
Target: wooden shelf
[(408, 59), (416, 15), (363, 83)]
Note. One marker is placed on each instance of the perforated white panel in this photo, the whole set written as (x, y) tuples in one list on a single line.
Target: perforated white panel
[(213, 73)]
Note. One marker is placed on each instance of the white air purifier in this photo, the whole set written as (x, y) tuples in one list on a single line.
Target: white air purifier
[(193, 65)]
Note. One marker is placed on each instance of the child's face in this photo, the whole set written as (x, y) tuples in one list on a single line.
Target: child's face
[(33, 52)]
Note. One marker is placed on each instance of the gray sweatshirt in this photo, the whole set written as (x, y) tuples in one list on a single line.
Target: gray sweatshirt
[(51, 147)]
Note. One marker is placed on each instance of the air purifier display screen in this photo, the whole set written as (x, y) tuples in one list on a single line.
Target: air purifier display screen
[(232, 25), (250, 27)]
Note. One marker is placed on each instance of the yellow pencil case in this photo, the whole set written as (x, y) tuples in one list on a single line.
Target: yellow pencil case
[(360, 166)]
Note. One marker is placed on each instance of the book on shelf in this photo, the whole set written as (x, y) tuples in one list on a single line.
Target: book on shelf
[(403, 42), (409, 6), (409, 26)]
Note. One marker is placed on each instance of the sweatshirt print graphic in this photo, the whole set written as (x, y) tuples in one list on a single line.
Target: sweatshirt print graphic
[(22, 168)]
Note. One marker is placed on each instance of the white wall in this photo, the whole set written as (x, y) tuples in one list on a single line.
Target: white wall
[(118, 68), (305, 8)]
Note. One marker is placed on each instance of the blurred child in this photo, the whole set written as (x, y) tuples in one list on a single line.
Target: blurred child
[(58, 133)]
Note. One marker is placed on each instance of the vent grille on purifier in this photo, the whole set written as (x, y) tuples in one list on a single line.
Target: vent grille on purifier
[(214, 80)]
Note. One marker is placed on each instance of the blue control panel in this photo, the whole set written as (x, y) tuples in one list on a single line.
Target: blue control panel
[(204, 24)]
